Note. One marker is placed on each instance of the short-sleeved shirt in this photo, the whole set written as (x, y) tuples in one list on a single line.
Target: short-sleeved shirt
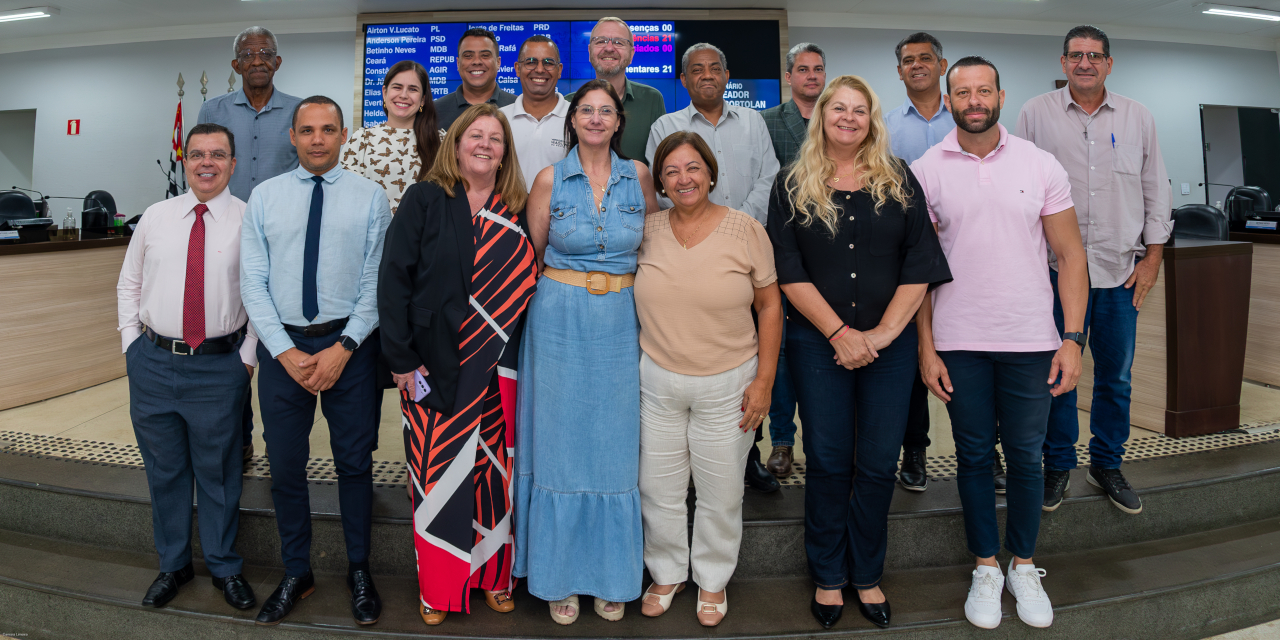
[(539, 143), (451, 105), (694, 304), (263, 149), (872, 253), (385, 155), (643, 105), (911, 135), (989, 213)]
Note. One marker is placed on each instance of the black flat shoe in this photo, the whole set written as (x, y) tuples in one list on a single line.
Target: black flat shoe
[(827, 614), (281, 602), (366, 605), (878, 614), (166, 586), (236, 590), (759, 478)]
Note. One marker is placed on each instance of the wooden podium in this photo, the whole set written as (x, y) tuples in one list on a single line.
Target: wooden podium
[(1192, 331)]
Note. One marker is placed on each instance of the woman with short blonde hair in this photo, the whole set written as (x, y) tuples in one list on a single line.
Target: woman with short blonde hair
[(855, 253)]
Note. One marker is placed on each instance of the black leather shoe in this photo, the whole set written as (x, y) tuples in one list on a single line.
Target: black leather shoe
[(759, 478), (827, 614), (1056, 483), (281, 602), (997, 469), (166, 586), (366, 606), (912, 475), (1117, 489), (878, 614), (236, 590)]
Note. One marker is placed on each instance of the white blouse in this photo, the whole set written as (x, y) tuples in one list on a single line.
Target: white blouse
[(386, 155)]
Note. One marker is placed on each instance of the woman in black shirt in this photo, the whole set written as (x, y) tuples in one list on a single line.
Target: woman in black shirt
[(855, 253)]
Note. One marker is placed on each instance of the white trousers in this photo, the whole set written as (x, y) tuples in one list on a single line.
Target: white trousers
[(690, 423)]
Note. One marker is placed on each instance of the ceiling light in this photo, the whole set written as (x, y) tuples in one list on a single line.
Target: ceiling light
[(1239, 12), (30, 13)]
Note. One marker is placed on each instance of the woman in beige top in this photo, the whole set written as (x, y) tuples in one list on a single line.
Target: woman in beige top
[(705, 375)]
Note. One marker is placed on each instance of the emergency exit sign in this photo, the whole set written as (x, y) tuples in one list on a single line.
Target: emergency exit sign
[(73, 127)]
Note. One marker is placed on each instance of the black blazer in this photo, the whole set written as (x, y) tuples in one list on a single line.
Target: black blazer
[(423, 287)]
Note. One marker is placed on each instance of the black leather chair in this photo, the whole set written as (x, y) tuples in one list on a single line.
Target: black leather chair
[(16, 205), (1199, 222), (1243, 201), (98, 213)]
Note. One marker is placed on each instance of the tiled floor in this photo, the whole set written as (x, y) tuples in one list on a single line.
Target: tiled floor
[(101, 414)]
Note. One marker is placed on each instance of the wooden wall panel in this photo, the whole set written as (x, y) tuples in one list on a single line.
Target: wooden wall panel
[(58, 321), (1262, 352)]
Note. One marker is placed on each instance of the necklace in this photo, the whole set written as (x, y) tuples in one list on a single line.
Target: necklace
[(598, 198), (837, 178), (685, 243)]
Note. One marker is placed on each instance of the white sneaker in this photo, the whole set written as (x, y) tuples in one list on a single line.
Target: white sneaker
[(1034, 607), (982, 607)]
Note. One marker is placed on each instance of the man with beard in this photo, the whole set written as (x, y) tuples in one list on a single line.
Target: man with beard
[(611, 49), (537, 116), (259, 117), (478, 63), (1108, 145), (988, 344), (737, 135), (788, 125)]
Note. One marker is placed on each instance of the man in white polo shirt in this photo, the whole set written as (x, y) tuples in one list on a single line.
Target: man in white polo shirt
[(537, 116)]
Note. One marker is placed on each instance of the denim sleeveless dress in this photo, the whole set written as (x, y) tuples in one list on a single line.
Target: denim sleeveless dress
[(576, 491)]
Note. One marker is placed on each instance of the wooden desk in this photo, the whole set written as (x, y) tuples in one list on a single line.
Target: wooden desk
[(58, 318), (1262, 355), (1191, 341)]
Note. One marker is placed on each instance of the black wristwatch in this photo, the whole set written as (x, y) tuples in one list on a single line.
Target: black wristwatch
[(348, 344), (1077, 337)]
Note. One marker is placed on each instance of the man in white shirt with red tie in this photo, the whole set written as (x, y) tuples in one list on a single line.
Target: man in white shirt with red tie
[(190, 353)]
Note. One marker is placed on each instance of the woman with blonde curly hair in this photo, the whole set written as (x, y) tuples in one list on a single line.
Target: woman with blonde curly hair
[(855, 253)]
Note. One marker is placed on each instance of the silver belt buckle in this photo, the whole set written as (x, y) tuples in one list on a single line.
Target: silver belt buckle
[(173, 348)]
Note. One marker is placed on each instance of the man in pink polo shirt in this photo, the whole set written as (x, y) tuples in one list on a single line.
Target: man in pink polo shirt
[(988, 344)]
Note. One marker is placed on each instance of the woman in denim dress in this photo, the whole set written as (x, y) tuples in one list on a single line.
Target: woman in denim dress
[(577, 498)]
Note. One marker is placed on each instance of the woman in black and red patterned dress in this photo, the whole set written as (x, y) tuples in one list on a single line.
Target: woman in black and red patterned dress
[(457, 273)]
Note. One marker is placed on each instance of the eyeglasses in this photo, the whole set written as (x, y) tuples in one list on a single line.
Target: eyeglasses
[(600, 41), (471, 55), (267, 55), (586, 111), (199, 156), (532, 63), (1094, 56)]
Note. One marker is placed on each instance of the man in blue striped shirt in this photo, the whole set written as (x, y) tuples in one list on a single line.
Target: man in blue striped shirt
[(313, 318)]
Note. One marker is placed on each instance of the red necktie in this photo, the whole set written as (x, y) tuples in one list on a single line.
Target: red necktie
[(193, 296)]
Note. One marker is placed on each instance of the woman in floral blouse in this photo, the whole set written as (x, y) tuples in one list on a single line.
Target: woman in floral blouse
[(399, 152)]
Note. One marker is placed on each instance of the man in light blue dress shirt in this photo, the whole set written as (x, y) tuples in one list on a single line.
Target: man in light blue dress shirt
[(921, 122), (310, 248)]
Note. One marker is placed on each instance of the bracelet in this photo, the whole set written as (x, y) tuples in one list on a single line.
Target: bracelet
[(833, 333), (842, 331)]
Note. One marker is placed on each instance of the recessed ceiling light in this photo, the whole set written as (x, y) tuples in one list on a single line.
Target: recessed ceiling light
[(30, 13), (1239, 12)]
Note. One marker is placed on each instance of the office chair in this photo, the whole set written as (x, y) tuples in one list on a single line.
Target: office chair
[(16, 205), (1242, 202), (99, 209), (1199, 222)]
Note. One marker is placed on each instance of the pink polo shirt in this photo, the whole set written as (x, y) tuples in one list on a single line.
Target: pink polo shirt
[(988, 213)]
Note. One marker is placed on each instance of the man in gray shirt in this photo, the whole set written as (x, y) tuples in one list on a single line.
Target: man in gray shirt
[(257, 115), (737, 135)]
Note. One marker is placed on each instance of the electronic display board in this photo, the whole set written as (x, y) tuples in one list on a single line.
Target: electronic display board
[(754, 65)]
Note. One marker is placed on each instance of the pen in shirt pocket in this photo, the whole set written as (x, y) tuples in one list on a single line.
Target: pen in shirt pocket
[(1113, 141)]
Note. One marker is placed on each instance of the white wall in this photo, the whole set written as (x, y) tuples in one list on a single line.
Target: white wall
[(17, 147), (1223, 160), (125, 96), (1172, 80)]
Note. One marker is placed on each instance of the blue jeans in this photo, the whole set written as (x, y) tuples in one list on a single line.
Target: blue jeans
[(1007, 390), (853, 426), (1111, 323), (782, 408)]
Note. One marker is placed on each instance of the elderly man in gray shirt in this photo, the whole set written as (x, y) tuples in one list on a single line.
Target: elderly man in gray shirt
[(257, 114), (1107, 143), (737, 135)]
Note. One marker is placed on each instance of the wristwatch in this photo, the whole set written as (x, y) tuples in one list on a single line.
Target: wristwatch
[(348, 344), (1077, 337)]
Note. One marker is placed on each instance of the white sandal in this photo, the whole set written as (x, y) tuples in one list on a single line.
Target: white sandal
[(660, 600), (571, 601), (611, 616), (711, 614)]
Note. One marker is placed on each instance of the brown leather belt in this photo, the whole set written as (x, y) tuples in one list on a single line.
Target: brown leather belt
[(595, 282)]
